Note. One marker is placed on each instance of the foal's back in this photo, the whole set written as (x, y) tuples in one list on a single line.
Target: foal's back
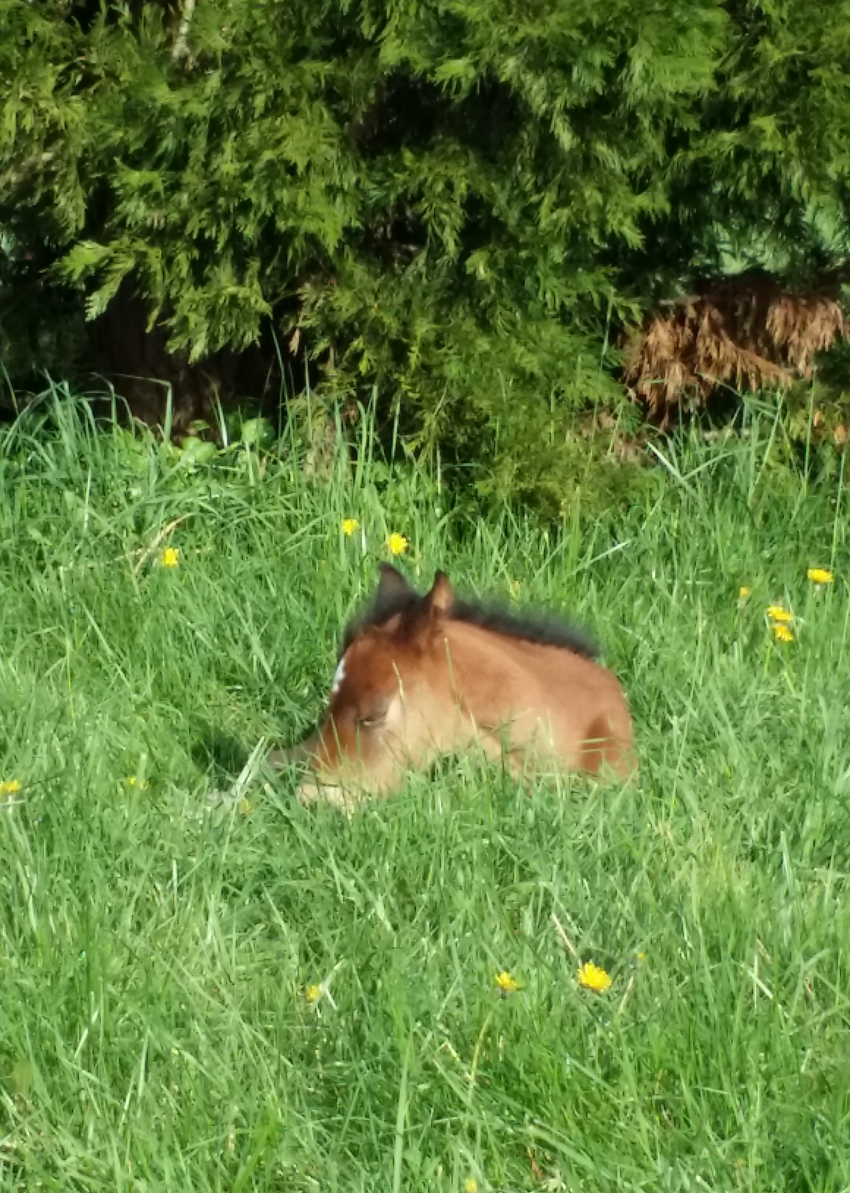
[(541, 695)]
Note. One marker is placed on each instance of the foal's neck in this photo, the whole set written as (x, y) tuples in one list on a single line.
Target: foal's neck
[(480, 656)]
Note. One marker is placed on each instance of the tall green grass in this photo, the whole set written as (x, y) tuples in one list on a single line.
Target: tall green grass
[(164, 908)]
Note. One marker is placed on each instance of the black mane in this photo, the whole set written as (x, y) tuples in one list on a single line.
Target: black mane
[(540, 628)]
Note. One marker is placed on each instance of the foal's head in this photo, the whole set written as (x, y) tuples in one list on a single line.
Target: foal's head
[(384, 711)]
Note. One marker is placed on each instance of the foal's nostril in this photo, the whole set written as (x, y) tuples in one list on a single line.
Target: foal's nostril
[(303, 752), (312, 793), (308, 793)]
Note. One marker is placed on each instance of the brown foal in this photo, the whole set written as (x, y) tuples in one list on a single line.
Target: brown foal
[(420, 676)]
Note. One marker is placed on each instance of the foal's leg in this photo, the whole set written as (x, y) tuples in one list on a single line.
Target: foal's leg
[(497, 749)]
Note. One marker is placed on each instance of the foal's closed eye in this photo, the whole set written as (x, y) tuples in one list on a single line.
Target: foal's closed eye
[(372, 721)]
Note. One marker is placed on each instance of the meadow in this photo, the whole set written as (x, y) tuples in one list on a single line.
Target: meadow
[(206, 987)]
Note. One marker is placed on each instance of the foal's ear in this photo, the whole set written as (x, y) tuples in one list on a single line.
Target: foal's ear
[(439, 599), (391, 583), (420, 619)]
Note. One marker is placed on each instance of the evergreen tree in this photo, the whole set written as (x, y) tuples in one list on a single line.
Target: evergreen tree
[(459, 198)]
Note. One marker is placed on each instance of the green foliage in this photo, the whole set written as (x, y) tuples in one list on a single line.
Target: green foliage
[(456, 203)]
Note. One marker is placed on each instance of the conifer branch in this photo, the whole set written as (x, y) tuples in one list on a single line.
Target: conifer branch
[(15, 175), (181, 48)]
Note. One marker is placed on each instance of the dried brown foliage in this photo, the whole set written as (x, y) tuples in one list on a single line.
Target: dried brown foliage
[(746, 332)]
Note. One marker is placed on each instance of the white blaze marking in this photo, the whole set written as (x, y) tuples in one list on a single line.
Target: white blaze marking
[(339, 676)]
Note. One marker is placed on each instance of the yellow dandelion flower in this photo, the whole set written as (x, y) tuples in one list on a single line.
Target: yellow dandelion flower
[(9, 789), (777, 613), (313, 993), (782, 633), (169, 557), (820, 575), (470, 1185), (397, 544), (592, 977), (134, 781), (349, 526), (506, 982), (744, 592), (641, 956)]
